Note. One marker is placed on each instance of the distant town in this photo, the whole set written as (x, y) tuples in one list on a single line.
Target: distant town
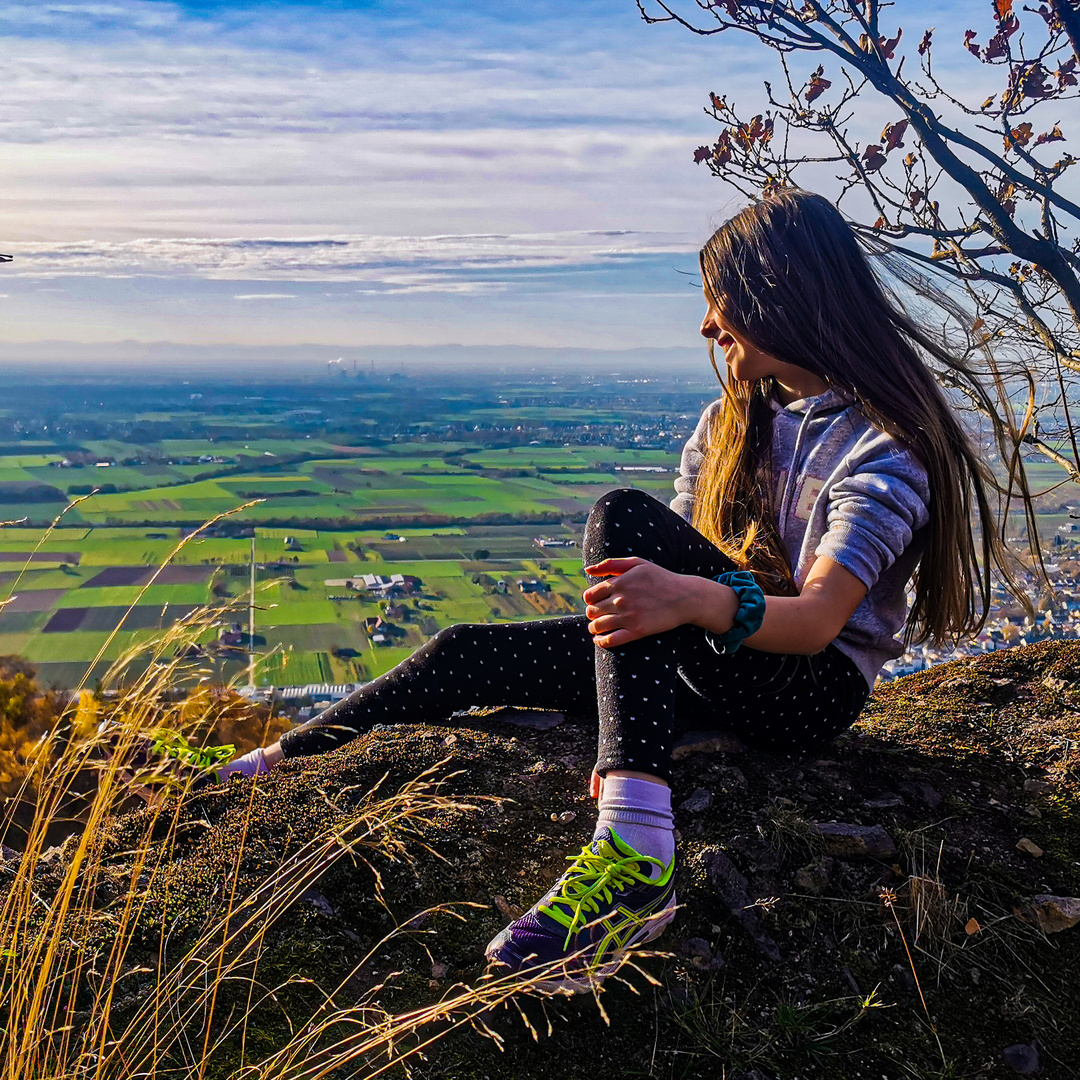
[(1057, 613)]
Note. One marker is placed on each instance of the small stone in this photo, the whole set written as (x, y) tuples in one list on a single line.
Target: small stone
[(1055, 913), (536, 719), (700, 799), (730, 776), (438, 969), (318, 902), (566, 817), (1032, 811), (733, 892), (855, 841), (1038, 787), (52, 855), (955, 682), (1022, 1058), (700, 954), (887, 800), (814, 876), (8, 854), (706, 742), (1029, 847), (922, 793), (505, 908)]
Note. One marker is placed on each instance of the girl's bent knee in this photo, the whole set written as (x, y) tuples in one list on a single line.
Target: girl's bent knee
[(612, 520), (630, 498), (456, 635)]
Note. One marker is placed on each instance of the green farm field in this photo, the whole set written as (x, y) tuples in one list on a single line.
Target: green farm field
[(122, 565)]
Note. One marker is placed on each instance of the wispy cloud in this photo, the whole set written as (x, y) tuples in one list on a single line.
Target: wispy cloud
[(401, 264), (152, 118), (364, 164)]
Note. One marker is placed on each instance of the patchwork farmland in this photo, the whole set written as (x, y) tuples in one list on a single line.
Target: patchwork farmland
[(460, 522), (447, 483)]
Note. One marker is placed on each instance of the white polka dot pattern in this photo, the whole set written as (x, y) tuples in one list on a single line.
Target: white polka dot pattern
[(772, 701)]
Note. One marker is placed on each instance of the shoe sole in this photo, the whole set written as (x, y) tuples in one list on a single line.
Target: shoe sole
[(592, 978)]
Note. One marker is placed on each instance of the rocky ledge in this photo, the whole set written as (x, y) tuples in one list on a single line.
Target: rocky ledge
[(903, 904)]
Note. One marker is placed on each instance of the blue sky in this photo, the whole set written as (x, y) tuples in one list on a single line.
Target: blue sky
[(359, 173)]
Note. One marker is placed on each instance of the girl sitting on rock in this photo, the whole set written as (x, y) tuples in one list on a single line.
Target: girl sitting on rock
[(765, 601)]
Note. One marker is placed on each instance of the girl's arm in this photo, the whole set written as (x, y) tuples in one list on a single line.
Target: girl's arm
[(639, 599), (808, 622)]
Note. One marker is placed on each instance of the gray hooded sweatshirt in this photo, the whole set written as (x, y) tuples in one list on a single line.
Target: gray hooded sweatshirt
[(844, 489)]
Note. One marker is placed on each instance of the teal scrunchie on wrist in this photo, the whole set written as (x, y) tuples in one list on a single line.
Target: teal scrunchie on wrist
[(748, 617)]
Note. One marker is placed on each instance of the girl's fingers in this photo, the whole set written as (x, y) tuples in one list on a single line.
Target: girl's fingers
[(600, 591), (601, 605), (615, 639), (605, 624), (608, 567)]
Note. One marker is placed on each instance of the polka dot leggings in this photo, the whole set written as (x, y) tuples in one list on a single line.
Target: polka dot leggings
[(643, 693)]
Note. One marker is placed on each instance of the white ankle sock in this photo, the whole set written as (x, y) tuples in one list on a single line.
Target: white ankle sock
[(250, 764), (640, 812)]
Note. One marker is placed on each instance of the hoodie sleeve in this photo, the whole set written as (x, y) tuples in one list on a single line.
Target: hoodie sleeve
[(874, 512), (690, 464)]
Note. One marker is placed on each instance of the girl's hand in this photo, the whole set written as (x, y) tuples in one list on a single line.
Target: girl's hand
[(639, 599)]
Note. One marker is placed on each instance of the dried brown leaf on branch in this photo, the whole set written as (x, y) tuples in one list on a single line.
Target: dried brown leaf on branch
[(1032, 81), (1054, 135), (818, 85), (887, 45), (1019, 135), (893, 135), (873, 159)]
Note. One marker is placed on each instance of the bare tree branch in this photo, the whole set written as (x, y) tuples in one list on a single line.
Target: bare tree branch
[(937, 186)]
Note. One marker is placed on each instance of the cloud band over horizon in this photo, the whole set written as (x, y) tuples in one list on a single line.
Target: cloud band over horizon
[(399, 172)]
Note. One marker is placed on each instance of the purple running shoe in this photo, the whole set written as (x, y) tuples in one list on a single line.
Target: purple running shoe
[(603, 906)]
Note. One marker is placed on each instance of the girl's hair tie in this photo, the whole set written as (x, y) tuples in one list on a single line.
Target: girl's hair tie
[(748, 617)]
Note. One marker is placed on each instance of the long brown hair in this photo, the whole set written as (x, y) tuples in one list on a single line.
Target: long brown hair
[(788, 274)]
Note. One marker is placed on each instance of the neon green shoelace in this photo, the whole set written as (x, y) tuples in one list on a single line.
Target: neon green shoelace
[(591, 877)]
